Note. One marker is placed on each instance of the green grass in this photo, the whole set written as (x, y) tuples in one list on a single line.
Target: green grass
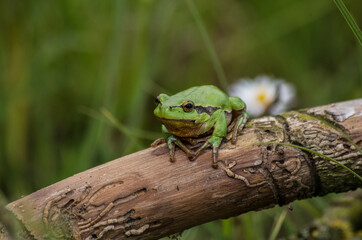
[(350, 20), (62, 62)]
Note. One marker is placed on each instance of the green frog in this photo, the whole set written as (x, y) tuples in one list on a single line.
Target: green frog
[(199, 113)]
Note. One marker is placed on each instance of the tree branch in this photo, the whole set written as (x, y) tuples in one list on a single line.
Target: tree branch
[(144, 196)]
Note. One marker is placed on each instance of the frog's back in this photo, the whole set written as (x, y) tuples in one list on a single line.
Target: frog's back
[(206, 95)]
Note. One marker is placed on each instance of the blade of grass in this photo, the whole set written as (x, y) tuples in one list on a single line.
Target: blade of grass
[(311, 208), (210, 48), (278, 225), (353, 143), (350, 20), (113, 121), (227, 227), (213, 229), (317, 153), (119, 126), (248, 223), (131, 133)]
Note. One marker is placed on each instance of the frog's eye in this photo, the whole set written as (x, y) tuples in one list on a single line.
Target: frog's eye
[(157, 100), (188, 106)]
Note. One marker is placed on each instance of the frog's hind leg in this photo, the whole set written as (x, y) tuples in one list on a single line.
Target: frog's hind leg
[(195, 142), (190, 154), (171, 142), (200, 149), (239, 114), (240, 123), (215, 142)]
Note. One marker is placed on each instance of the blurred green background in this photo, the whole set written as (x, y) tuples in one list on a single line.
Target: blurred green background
[(66, 64)]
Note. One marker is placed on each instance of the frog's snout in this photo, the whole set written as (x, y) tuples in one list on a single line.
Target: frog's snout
[(157, 111), (162, 111)]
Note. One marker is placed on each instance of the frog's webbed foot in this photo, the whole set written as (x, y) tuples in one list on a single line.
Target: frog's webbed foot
[(215, 142), (172, 141)]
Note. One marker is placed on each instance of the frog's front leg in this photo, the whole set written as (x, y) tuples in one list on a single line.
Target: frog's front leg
[(171, 141), (218, 120)]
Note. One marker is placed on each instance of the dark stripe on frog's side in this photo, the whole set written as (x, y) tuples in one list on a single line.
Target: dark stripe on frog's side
[(200, 109), (209, 110)]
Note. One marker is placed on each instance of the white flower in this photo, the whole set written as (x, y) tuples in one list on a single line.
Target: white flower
[(264, 95)]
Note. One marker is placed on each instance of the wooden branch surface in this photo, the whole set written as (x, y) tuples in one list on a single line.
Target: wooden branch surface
[(144, 196)]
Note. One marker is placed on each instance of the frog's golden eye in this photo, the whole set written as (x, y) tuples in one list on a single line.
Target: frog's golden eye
[(188, 106)]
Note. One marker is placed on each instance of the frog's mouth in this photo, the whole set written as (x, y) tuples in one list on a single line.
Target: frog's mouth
[(181, 120), (183, 127)]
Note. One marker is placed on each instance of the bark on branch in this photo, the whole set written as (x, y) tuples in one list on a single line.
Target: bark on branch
[(144, 196)]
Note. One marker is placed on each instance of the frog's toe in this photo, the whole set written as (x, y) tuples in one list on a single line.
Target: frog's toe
[(190, 155), (234, 139), (200, 149), (158, 142), (215, 151), (214, 165), (196, 154), (171, 146), (172, 153)]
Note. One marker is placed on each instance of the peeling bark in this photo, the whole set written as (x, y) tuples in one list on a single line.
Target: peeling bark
[(144, 196)]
